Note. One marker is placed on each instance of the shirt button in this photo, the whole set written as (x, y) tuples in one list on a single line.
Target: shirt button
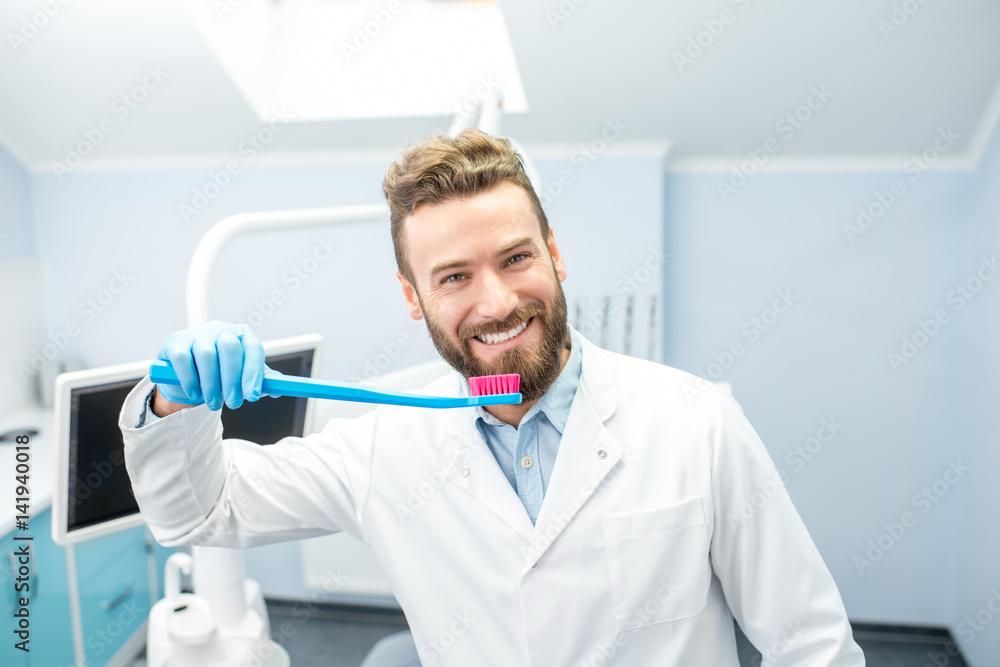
[(601, 453), (526, 462), (465, 472)]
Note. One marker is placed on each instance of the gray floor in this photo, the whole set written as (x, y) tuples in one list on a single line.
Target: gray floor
[(331, 637), (327, 636)]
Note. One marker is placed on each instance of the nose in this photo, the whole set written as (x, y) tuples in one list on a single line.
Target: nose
[(495, 298)]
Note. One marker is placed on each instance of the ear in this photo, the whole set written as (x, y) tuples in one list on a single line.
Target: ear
[(557, 260), (410, 295)]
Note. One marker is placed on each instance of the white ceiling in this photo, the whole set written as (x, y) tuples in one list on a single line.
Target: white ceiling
[(605, 60)]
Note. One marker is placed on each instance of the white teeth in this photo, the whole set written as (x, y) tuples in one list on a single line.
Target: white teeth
[(501, 337)]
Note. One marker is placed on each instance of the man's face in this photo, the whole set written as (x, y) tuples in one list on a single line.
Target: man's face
[(482, 273)]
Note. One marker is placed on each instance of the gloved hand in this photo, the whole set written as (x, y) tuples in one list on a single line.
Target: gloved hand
[(215, 362)]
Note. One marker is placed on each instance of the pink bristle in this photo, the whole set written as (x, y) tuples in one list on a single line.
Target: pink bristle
[(493, 385)]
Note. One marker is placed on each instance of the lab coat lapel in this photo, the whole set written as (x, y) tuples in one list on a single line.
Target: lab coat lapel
[(587, 451), (485, 481)]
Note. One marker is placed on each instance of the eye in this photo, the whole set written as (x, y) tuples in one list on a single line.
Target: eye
[(448, 279), (518, 257)]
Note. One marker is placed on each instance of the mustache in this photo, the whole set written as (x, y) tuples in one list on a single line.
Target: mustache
[(519, 315)]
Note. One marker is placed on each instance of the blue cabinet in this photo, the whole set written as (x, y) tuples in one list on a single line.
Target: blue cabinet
[(115, 597), (51, 628)]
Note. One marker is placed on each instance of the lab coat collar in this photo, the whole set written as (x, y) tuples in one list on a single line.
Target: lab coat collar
[(587, 452), (599, 378)]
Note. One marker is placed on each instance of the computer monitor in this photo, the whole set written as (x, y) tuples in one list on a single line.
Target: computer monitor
[(92, 494)]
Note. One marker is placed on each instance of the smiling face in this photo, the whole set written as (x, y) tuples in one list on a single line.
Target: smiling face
[(488, 284)]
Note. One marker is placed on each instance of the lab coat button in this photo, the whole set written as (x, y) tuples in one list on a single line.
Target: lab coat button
[(526, 462), (601, 453), (465, 472)]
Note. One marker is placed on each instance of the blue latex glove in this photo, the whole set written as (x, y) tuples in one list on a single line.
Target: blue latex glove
[(216, 362)]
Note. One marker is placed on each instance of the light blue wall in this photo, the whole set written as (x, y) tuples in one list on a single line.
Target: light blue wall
[(826, 357), (17, 239), (978, 591), (21, 294)]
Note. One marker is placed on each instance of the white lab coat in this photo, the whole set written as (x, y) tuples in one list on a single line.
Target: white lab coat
[(664, 518)]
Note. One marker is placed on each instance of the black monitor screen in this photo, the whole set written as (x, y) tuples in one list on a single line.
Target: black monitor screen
[(270, 419), (99, 487)]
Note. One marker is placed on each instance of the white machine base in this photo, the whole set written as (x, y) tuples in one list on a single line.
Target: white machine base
[(185, 629)]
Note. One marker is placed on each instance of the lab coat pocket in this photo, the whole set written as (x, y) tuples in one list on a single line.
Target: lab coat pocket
[(659, 563)]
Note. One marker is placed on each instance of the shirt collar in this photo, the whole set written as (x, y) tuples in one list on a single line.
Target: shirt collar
[(558, 399)]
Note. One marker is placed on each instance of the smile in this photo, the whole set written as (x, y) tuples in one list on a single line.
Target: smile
[(493, 339)]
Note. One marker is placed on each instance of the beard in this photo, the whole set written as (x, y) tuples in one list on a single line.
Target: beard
[(538, 366)]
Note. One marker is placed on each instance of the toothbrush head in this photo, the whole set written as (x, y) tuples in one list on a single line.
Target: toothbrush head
[(493, 385)]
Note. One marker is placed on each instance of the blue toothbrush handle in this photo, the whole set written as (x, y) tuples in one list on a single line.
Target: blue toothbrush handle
[(162, 372)]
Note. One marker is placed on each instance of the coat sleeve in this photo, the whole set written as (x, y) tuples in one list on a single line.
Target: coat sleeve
[(194, 488), (774, 579)]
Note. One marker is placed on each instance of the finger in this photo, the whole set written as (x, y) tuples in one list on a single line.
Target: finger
[(230, 368), (178, 353), (271, 373), (206, 359), (253, 367)]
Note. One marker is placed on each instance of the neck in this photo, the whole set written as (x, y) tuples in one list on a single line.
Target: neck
[(513, 414)]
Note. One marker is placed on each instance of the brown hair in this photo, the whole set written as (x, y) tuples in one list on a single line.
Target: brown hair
[(444, 168)]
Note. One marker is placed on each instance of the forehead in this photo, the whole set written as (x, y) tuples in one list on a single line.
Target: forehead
[(469, 229)]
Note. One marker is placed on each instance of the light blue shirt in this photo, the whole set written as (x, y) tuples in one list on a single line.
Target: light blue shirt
[(526, 454)]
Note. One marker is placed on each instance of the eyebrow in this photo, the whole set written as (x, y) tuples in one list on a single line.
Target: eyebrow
[(458, 263)]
